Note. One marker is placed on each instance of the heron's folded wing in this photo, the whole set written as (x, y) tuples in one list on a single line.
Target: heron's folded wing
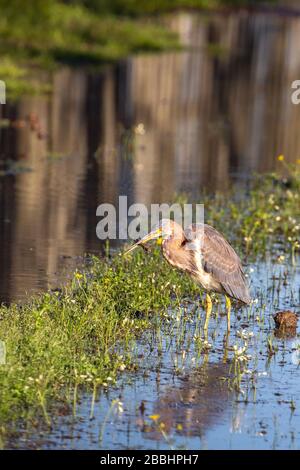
[(221, 261)]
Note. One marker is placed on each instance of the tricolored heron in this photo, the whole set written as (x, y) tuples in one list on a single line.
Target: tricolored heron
[(203, 253)]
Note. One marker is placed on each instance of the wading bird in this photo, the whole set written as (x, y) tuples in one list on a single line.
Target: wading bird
[(204, 254)]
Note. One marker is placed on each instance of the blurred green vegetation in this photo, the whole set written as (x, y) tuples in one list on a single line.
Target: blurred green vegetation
[(44, 33), (146, 7)]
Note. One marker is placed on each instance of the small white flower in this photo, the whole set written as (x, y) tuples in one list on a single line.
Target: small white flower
[(260, 374), (245, 334), (140, 129)]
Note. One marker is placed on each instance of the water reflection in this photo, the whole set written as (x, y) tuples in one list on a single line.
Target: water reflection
[(219, 109), (197, 404)]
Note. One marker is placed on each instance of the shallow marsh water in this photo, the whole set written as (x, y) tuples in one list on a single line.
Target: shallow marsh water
[(186, 397)]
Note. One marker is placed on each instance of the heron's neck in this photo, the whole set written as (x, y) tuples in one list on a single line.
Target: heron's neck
[(172, 250)]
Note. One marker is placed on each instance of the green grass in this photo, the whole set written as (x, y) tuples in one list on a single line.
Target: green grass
[(85, 334), (136, 8), (71, 35)]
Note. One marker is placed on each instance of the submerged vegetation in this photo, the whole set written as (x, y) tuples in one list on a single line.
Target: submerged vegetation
[(85, 333), (42, 34)]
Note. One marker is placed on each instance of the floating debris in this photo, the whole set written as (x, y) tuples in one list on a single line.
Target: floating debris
[(285, 319)]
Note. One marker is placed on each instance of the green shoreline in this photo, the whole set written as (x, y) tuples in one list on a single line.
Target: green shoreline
[(85, 334), (45, 34)]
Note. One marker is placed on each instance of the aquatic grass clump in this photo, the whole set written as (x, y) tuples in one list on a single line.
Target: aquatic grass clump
[(265, 219), (83, 334)]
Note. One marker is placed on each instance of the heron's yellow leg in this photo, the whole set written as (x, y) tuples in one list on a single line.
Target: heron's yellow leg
[(228, 308), (225, 344), (208, 311)]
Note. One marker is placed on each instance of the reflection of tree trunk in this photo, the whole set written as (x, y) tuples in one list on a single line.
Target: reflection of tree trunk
[(7, 212), (169, 157), (256, 89), (48, 196), (7, 203), (30, 221), (109, 153)]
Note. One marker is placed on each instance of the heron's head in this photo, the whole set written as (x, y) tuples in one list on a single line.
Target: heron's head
[(164, 229)]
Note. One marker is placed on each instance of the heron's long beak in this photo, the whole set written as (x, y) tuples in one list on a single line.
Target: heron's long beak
[(151, 236)]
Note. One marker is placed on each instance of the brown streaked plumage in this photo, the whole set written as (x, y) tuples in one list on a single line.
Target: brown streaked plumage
[(203, 253), (213, 263)]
